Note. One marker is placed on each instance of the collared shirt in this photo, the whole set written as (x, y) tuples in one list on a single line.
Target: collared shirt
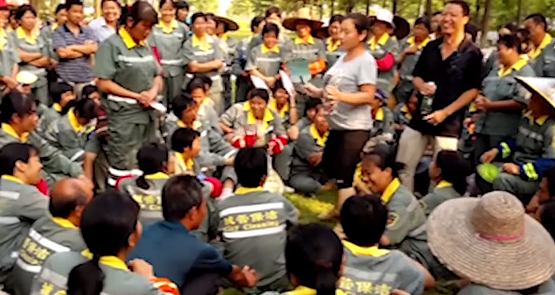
[(333, 51), (453, 76), (76, 70), (309, 142), (8, 53), (535, 52), (311, 49), (150, 199), (31, 44), (266, 60), (169, 41), (203, 50), (442, 192), (162, 245), (101, 29)]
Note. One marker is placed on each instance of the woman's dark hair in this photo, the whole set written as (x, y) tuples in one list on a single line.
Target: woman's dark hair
[(255, 22), (511, 42), (273, 10), (16, 103), (162, 2), (23, 9), (70, 3), (278, 85), (182, 103), (311, 103), (85, 108), (210, 16), (12, 153), (314, 254), (180, 194), (58, 89), (361, 22), (197, 15), (510, 26), (454, 169), (270, 28), (198, 82), (182, 5), (152, 158), (523, 35), (183, 138), (259, 92), (106, 225), (88, 90), (336, 18), (472, 30), (423, 21), (364, 219), (60, 7), (251, 166), (384, 156), (142, 11)]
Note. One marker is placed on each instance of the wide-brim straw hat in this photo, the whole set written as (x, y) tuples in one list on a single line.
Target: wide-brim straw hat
[(492, 242), (544, 87), (401, 27), (303, 14), (230, 24)]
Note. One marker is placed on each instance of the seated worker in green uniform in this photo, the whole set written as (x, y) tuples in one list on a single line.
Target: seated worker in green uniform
[(500, 107), (312, 106), (62, 95), (284, 104), (410, 53), (18, 114), (146, 190), (199, 88), (382, 131), (385, 49), (364, 219), (111, 229), (265, 60), (254, 222), (485, 249), (544, 193), (216, 154), (252, 123), (168, 38), (228, 45), (22, 203), (449, 171), (307, 172), (129, 77), (71, 133), (403, 113), (524, 158), (406, 223), (203, 55), (57, 232), (32, 51)]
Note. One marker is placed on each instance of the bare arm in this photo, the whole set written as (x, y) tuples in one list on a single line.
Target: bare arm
[(364, 96), (88, 165), (506, 105), (239, 278), (196, 67), (226, 129), (42, 62), (28, 57), (67, 53), (466, 98), (85, 49)]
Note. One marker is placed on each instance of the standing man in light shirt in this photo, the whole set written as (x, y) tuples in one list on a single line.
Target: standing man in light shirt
[(107, 25)]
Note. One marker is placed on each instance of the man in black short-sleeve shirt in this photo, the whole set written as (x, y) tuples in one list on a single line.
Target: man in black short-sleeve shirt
[(453, 64)]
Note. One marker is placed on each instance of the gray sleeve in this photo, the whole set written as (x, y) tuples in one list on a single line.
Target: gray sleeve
[(291, 213), (218, 52), (367, 71), (305, 146), (251, 60), (321, 50), (188, 54), (93, 144), (34, 206), (279, 130), (412, 278), (228, 118)]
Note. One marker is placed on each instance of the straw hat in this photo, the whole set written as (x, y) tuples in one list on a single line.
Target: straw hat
[(230, 25), (492, 242), (544, 87), (26, 78), (400, 25), (303, 14)]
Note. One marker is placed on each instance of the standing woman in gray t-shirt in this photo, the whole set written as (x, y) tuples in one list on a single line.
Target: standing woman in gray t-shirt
[(349, 88)]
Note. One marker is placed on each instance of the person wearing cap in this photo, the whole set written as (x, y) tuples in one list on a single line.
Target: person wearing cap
[(496, 246), (332, 35), (23, 204), (243, 52), (229, 48), (385, 49), (203, 55), (265, 60), (503, 99), (130, 79), (542, 54), (411, 49), (523, 160), (307, 171), (108, 24), (33, 51), (58, 232), (168, 38)]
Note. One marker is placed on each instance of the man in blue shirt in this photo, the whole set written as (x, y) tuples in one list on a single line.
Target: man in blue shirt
[(174, 253)]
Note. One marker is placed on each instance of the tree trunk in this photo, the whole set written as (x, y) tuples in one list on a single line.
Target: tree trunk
[(332, 4), (394, 9), (485, 21), (368, 3), (97, 8), (351, 7), (518, 12), (477, 12), (419, 10), (429, 8)]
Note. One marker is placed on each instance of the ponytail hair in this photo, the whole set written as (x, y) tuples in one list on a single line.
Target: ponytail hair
[(314, 255), (106, 225), (454, 169), (152, 158)]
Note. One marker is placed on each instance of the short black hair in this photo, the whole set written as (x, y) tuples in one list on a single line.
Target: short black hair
[(364, 219), (85, 108), (182, 103), (273, 10), (180, 194), (58, 89), (255, 22), (142, 11), (88, 90), (511, 42), (16, 103), (183, 138), (23, 9), (182, 5), (539, 19), (63, 206), (437, 13), (312, 103), (251, 166), (270, 28), (198, 81), (510, 26), (70, 3), (259, 92), (423, 21), (361, 22), (210, 16), (471, 29), (197, 15), (12, 153), (104, 1), (60, 7), (463, 5), (162, 2), (336, 18), (151, 158)]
